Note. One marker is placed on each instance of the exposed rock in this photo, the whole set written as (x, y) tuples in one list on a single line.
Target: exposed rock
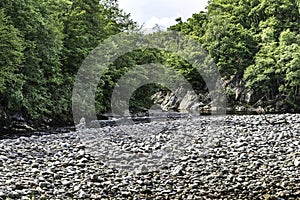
[(297, 162), (189, 101)]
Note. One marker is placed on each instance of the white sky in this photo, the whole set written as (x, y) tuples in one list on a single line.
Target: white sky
[(161, 12)]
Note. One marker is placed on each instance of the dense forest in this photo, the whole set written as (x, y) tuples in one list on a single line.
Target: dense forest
[(42, 46), (254, 43), (256, 46)]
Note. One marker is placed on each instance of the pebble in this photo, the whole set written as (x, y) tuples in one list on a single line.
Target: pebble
[(245, 158), (297, 162)]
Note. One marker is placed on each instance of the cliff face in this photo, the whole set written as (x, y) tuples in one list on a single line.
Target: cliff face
[(239, 99)]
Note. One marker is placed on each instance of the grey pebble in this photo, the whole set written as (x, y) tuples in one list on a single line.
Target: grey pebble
[(180, 159)]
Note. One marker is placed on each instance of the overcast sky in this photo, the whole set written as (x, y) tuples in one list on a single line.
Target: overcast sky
[(161, 12)]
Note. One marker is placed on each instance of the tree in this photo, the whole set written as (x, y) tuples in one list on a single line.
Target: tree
[(262, 74), (86, 24), (195, 26), (248, 41), (54, 37), (288, 64), (274, 72), (11, 57)]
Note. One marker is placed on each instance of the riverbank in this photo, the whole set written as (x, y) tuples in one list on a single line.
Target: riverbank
[(249, 158)]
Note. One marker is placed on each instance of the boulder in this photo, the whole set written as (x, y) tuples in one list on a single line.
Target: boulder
[(189, 101)]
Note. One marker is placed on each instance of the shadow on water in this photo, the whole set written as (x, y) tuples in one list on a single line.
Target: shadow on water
[(109, 121), (9, 134), (115, 121)]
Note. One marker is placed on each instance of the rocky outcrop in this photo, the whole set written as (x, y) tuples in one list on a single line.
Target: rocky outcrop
[(180, 100), (184, 101), (190, 102), (238, 99)]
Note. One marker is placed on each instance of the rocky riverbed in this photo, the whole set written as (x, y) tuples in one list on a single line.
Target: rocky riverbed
[(235, 157)]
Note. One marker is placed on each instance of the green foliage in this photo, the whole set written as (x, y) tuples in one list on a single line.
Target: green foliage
[(194, 25), (257, 40), (275, 73), (288, 62), (44, 42), (86, 25), (41, 68), (11, 57), (42, 46), (141, 98)]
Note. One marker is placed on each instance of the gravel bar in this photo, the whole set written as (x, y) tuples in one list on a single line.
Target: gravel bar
[(239, 157)]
